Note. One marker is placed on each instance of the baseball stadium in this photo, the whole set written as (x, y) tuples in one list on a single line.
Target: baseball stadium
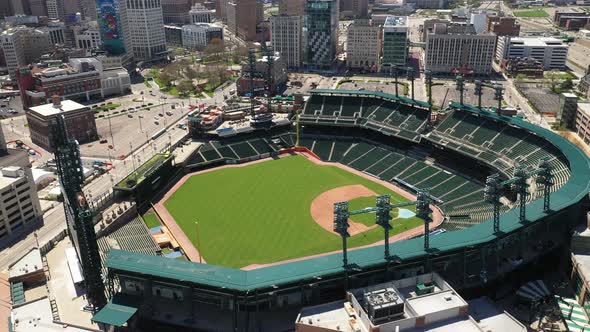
[(367, 187)]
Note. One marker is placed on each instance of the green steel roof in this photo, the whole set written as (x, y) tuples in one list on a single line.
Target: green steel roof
[(118, 311), (572, 192), (371, 94)]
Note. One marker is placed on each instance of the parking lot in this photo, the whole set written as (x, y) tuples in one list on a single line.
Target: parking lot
[(541, 97), (382, 85), (302, 83), (447, 92)]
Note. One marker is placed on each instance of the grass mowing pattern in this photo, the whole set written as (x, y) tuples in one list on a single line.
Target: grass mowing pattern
[(260, 213)]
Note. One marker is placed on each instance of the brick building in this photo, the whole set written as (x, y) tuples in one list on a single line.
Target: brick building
[(79, 121), (502, 26)]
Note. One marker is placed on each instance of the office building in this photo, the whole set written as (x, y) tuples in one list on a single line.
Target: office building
[(197, 36), (114, 79), (56, 31), (363, 46), (571, 20), (243, 17), (55, 9), (20, 211), (428, 27), (427, 4), (285, 38), (146, 26), (502, 26), (38, 83), (354, 8), (37, 8), (552, 52), (320, 32), (87, 39), (292, 7), (173, 34), (278, 76), (176, 11), (582, 122), (395, 42), (456, 48), (113, 25), (201, 14), (79, 119), (22, 46)]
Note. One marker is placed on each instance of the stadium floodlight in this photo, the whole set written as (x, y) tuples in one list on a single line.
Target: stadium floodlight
[(341, 226), (545, 178), (423, 212), (428, 80), (411, 77), (498, 95), (395, 70), (492, 193), (478, 92), (520, 186), (460, 81), (383, 217)]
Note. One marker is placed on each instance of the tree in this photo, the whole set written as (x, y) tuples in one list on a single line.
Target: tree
[(553, 77), (166, 77), (185, 87), (214, 49), (567, 84)]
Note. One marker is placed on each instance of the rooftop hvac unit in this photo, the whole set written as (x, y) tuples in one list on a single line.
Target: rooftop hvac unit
[(384, 305)]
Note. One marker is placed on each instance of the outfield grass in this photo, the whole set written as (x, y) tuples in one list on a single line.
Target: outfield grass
[(531, 13), (151, 220), (261, 213)]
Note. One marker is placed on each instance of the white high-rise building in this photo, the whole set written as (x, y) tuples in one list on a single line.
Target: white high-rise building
[(198, 35), (285, 37), (87, 39), (22, 46), (551, 52), (146, 26)]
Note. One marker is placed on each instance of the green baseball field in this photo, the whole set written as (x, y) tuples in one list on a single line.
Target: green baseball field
[(260, 213)]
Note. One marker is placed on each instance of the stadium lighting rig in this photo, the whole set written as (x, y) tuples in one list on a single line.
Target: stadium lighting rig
[(518, 182), (382, 211), (395, 71), (478, 91)]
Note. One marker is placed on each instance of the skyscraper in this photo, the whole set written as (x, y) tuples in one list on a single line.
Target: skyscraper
[(243, 17), (146, 26), (114, 26), (285, 38), (395, 42), (320, 33), (176, 11), (292, 7)]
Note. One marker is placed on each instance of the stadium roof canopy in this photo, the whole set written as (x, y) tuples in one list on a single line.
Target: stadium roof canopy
[(571, 193), (402, 99), (118, 311)]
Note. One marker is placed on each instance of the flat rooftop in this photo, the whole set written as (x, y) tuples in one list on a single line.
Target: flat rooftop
[(584, 107), (29, 263), (8, 180), (435, 302), (537, 41), (50, 109), (329, 316), (36, 316), (396, 21)]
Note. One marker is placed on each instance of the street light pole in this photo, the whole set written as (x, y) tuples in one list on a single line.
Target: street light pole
[(111, 128)]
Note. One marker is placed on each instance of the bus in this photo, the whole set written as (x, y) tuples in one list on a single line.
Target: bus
[(158, 133)]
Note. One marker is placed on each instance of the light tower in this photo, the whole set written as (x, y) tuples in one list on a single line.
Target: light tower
[(423, 212), (341, 227), (492, 193), (520, 186), (545, 178), (395, 71), (252, 71), (383, 217), (77, 212), (460, 87), (478, 91), (411, 77), (270, 64), (498, 94)]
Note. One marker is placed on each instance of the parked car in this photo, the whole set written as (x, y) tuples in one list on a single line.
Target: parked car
[(103, 141)]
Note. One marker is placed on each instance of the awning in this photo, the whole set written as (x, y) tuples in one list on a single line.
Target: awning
[(533, 291), (118, 311)]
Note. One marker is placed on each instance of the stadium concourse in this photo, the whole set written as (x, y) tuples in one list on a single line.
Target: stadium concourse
[(397, 140)]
